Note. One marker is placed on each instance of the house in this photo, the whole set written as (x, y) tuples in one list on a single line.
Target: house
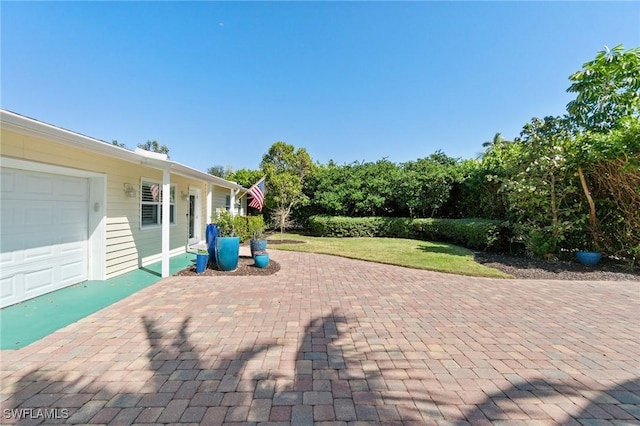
[(74, 208)]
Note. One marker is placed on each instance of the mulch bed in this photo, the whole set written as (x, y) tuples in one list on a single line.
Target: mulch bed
[(246, 267), (527, 268)]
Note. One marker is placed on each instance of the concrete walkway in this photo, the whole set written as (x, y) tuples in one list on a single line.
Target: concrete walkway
[(341, 341)]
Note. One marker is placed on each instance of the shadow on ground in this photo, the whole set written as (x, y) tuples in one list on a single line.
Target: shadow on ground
[(332, 376)]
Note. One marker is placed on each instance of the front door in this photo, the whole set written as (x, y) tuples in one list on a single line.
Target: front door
[(195, 226)]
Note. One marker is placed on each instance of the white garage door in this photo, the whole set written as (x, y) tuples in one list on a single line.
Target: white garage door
[(43, 233)]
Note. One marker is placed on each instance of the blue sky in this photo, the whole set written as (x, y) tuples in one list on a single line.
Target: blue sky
[(219, 82)]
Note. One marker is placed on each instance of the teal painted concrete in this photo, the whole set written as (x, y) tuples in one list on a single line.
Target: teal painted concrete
[(26, 322)]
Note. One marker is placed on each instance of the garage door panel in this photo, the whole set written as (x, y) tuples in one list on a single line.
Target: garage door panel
[(8, 219), (75, 245), (70, 189), (6, 256), (38, 184), (8, 183), (72, 214), (39, 282), (40, 252), (44, 233), (73, 272), (38, 215), (8, 288)]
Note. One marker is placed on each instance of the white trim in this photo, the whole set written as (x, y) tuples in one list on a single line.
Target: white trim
[(97, 208), (14, 163)]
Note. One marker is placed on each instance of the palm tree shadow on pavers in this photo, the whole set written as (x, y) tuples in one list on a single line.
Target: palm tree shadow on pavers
[(524, 399), (334, 366), (178, 377)]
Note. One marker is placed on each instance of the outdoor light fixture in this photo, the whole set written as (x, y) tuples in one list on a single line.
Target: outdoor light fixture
[(129, 190)]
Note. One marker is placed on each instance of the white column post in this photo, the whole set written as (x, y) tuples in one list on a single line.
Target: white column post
[(232, 202), (209, 202), (166, 219)]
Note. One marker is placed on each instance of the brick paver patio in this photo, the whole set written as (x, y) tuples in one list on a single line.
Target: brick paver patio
[(343, 342)]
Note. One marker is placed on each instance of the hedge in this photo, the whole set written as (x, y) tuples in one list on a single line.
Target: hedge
[(477, 234), (245, 226)]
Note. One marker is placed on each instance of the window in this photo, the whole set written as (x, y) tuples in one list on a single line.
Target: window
[(151, 204)]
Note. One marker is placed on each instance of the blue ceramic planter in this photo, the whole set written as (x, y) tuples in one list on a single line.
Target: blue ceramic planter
[(257, 246), (212, 234), (227, 253), (201, 262), (589, 258), (261, 260)]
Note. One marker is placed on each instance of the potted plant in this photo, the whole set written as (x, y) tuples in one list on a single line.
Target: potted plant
[(202, 257), (227, 243), (258, 243)]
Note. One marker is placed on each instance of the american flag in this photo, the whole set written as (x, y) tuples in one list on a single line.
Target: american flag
[(155, 192), (257, 192)]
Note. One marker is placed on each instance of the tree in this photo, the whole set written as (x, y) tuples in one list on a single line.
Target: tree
[(154, 146), (425, 184), (116, 143), (245, 177), (608, 89), (220, 171), (286, 170), (541, 189), (497, 139)]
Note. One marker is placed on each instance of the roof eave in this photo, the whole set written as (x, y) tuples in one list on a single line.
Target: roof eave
[(35, 128)]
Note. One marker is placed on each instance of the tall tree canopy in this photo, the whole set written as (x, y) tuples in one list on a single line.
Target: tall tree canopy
[(286, 169), (608, 89), (220, 171)]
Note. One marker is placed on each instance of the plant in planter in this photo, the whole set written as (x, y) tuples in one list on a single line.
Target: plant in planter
[(227, 243), (258, 243)]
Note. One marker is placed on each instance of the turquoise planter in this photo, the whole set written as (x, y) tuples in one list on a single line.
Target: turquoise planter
[(227, 253), (589, 258), (261, 260)]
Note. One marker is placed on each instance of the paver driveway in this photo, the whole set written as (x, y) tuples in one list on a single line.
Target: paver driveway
[(336, 340)]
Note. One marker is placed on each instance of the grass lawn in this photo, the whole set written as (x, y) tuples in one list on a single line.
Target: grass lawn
[(441, 257)]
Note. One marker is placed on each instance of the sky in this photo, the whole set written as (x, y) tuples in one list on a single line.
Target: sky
[(220, 82)]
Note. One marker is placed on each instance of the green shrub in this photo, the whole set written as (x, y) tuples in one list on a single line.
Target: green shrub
[(240, 226), (246, 226), (478, 234), (226, 224)]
